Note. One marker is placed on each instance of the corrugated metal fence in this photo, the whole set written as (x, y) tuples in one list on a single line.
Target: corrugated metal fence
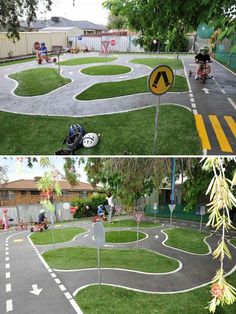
[(24, 46)]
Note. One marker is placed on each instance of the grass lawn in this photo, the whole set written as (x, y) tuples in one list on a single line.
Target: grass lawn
[(123, 236), (153, 62), (106, 70), (88, 60), (80, 257), (38, 81), (60, 235), (131, 223), (2, 64), (127, 87), (42, 135), (126, 301), (187, 240)]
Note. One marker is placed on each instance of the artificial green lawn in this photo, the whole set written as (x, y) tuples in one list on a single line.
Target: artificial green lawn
[(2, 64), (123, 236), (126, 87), (131, 223), (106, 70), (187, 240), (81, 257), (38, 81), (124, 133), (112, 300), (153, 62), (60, 235), (79, 61)]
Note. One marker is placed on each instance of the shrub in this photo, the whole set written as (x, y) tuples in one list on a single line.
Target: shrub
[(87, 207)]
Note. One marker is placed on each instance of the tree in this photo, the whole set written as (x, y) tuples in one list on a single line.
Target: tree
[(158, 17), (116, 22), (13, 11)]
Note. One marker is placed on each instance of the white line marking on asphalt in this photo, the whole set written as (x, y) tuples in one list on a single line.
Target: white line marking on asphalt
[(232, 103), (76, 307), (192, 100), (194, 106), (7, 253), (9, 306), (223, 91), (8, 275), (62, 287), (190, 94), (8, 287), (68, 295), (71, 73), (57, 280), (86, 235), (53, 275), (7, 266), (7, 249), (7, 259), (50, 270), (195, 111)]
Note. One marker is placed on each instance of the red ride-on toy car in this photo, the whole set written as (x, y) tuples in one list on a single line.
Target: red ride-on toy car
[(39, 226)]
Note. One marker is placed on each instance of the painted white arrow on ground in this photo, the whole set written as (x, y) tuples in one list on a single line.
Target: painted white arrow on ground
[(206, 90), (36, 290)]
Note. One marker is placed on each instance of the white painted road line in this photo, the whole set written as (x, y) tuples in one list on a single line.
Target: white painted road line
[(76, 307), (7, 259), (7, 266), (68, 295), (53, 275), (232, 103), (57, 280), (195, 111), (8, 287), (63, 288), (7, 253), (223, 91), (8, 275), (9, 306)]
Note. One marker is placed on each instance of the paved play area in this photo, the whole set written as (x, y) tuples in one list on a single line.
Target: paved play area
[(25, 273), (213, 104)]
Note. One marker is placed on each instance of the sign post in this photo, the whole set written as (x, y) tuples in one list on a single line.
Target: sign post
[(118, 210), (138, 217), (155, 211), (58, 50), (202, 213), (171, 207), (99, 235), (159, 82)]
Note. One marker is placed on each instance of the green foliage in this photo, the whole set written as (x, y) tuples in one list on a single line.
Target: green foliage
[(87, 207), (176, 41), (152, 17), (13, 11)]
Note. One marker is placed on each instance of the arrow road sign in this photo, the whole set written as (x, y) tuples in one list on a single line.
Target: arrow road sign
[(206, 90), (36, 290)]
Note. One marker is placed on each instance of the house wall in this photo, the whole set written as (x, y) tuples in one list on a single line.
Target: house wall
[(29, 199), (24, 46)]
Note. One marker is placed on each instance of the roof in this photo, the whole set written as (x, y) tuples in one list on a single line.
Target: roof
[(58, 29), (63, 22), (31, 185)]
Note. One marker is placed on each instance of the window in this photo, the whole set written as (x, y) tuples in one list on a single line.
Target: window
[(35, 192), (23, 192), (83, 194), (10, 195)]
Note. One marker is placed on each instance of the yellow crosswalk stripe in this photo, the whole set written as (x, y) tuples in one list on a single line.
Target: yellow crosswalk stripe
[(231, 124), (220, 135), (202, 132)]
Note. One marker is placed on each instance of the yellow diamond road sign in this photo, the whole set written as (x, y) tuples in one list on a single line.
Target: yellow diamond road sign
[(161, 80)]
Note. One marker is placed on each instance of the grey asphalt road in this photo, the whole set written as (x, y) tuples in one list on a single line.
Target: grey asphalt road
[(20, 270), (214, 101), (22, 267)]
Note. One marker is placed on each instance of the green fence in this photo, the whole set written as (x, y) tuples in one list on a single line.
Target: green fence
[(178, 213), (225, 53)]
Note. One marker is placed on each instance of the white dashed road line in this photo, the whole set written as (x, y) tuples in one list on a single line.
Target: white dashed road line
[(9, 306), (232, 103)]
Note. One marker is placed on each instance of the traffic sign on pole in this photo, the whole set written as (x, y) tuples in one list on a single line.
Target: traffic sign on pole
[(138, 217), (160, 80)]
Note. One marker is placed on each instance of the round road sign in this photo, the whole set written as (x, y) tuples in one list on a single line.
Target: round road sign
[(161, 80), (113, 42), (36, 45)]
